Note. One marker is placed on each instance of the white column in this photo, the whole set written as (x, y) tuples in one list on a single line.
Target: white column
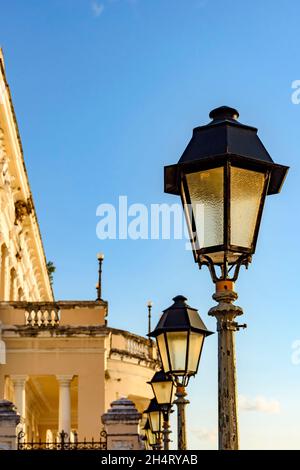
[(64, 416), (19, 382)]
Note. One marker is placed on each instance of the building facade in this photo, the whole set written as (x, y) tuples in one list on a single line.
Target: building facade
[(60, 362)]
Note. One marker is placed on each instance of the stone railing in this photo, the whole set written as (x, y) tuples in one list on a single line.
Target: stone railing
[(134, 346), (131, 346), (39, 315), (54, 314)]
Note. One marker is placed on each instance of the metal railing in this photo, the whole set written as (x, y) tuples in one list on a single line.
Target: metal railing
[(63, 443)]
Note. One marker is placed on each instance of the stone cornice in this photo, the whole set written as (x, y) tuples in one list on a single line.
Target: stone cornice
[(54, 331), (68, 330), (60, 304)]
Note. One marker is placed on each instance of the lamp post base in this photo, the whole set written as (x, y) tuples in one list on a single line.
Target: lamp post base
[(181, 403), (166, 431), (225, 314)]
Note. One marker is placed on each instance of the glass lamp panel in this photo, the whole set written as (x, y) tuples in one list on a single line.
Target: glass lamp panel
[(246, 193), (177, 343), (150, 437), (206, 190), (155, 421), (163, 392), (196, 341), (163, 352)]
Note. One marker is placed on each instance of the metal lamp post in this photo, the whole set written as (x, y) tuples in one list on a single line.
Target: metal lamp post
[(164, 390), (100, 258), (223, 178), (155, 418), (180, 335), (149, 306)]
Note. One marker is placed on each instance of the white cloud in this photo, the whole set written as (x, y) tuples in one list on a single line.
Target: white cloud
[(204, 434), (260, 404), (97, 8)]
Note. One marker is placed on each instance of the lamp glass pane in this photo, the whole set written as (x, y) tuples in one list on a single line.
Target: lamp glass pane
[(163, 392), (163, 352), (246, 193), (155, 421), (177, 343), (206, 190), (151, 437), (195, 347)]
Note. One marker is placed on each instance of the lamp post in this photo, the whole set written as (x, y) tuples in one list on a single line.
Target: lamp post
[(163, 389), (180, 335), (100, 258), (155, 418), (149, 305), (223, 178)]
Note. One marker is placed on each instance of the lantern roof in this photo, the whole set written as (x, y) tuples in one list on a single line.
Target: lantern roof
[(147, 425), (180, 317), (160, 376), (221, 139), (153, 406)]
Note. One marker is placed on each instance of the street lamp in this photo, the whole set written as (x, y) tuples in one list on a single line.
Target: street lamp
[(223, 178), (155, 417), (149, 306), (100, 258), (164, 391), (180, 335), (150, 437)]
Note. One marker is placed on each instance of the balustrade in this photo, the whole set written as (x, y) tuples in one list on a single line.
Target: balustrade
[(42, 316)]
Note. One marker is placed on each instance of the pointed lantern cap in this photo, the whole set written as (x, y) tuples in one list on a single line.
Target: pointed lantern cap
[(224, 138), (180, 317)]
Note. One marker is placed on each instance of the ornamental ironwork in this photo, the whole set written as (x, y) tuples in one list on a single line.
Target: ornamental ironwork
[(63, 443)]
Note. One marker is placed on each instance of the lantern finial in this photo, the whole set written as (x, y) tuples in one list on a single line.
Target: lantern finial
[(224, 112)]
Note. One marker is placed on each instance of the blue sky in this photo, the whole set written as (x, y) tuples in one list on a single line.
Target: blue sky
[(107, 93)]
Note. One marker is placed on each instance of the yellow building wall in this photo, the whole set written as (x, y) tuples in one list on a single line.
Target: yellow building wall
[(80, 357), (104, 363)]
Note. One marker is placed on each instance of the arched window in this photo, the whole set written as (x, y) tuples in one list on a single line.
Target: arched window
[(3, 272), (12, 288), (20, 294)]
